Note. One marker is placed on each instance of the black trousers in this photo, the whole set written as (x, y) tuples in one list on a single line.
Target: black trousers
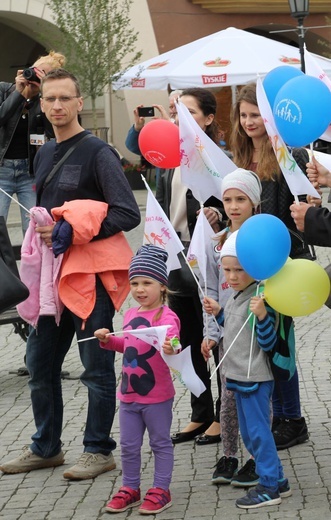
[(189, 311)]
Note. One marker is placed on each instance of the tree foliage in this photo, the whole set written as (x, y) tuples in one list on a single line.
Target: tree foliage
[(97, 39)]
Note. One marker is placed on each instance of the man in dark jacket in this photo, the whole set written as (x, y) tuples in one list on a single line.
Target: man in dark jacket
[(91, 171), (314, 221)]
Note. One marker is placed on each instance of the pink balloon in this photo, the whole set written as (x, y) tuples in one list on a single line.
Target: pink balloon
[(159, 143)]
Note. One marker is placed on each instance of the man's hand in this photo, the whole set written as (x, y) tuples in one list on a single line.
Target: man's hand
[(317, 173), (46, 234), (298, 213)]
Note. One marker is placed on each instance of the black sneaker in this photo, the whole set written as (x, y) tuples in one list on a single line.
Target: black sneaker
[(290, 432), (284, 489), (275, 423), (226, 469), (246, 476)]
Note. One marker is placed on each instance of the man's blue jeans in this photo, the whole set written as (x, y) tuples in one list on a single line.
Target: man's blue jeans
[(47, 347), (15, 179)]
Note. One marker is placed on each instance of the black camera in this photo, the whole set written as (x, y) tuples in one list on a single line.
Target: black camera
[(30, 75), (146, 111)]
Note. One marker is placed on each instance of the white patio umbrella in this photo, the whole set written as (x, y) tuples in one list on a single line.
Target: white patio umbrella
[(228, 57)]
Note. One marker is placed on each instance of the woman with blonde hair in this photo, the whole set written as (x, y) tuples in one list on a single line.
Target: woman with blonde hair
[(23, 128)]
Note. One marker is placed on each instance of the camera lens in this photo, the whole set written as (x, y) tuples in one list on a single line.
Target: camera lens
[(30, 75)]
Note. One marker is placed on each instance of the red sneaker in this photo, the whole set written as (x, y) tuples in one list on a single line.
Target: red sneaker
[(155, 501), (124, 499)]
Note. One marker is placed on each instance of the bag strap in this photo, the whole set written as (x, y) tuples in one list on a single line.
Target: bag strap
[(64, 158)]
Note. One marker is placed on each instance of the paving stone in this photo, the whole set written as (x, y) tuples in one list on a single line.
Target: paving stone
[(46, 495)]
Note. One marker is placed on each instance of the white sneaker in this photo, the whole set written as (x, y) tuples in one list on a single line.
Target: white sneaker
[(90, 465)]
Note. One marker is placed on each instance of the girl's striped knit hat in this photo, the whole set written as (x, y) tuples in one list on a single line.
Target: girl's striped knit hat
[(150, 261)]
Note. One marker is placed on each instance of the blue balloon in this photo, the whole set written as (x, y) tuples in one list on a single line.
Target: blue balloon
[(276, 79), (302, 110), (263, 245)]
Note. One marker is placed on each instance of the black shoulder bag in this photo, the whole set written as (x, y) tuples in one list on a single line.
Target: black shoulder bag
[(12, 290)]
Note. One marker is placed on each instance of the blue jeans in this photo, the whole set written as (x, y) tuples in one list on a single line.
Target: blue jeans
[(286, 398), (47, 347), (15, 179)]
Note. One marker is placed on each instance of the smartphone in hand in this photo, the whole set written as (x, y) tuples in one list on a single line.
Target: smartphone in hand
[(146, 111)]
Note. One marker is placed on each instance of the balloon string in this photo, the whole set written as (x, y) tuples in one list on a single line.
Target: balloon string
[(233, 342), (16, 201), (252, 337)]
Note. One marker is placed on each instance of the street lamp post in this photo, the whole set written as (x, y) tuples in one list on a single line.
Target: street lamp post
[(299, 10)]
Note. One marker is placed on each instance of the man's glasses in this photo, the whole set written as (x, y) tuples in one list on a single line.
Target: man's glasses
[(62, 99)]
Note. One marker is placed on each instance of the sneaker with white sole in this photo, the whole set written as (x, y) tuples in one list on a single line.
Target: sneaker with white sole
[(90, 465), (28, 461), (260, 496), (284, 489), (226, 469), (124, 499), (156, 500), (246, 476)]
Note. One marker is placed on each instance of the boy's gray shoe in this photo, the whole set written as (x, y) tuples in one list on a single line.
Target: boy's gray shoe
[(28, 461)]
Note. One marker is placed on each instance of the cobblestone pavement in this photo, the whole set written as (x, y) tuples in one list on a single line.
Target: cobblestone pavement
[(45, 495)]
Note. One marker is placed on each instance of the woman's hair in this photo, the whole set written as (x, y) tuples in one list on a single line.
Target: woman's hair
[(54, 59), (208, 104), (241, 145)]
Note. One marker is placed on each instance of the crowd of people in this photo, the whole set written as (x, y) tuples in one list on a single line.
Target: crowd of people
[(97, 270)]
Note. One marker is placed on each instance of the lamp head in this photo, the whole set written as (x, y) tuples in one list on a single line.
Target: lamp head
[(299, 8)]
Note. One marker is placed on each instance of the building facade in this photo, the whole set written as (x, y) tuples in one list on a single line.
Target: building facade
[(27, 30)]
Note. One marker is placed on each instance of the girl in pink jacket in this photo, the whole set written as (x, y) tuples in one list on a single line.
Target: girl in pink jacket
[(146, 393)]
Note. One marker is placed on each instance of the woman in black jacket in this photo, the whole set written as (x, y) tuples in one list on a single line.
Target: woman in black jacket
[(182, 209), (23, 128)]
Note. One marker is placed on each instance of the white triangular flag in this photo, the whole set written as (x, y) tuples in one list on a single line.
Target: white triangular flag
[(297, 181), (197, 250), (154, 336), (203, 164), (159, 231), (181, 365), (313, 69)]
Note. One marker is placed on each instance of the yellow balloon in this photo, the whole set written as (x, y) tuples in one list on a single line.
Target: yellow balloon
[(299, 288)]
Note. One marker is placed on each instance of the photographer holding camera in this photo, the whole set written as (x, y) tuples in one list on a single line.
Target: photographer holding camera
[(23, 127)]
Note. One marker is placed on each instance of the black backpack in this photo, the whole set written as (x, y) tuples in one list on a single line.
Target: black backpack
[(282, 355)]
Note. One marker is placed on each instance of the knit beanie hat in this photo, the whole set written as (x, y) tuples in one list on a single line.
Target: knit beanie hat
[(245, 181), (229, 246), (150, 261)]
